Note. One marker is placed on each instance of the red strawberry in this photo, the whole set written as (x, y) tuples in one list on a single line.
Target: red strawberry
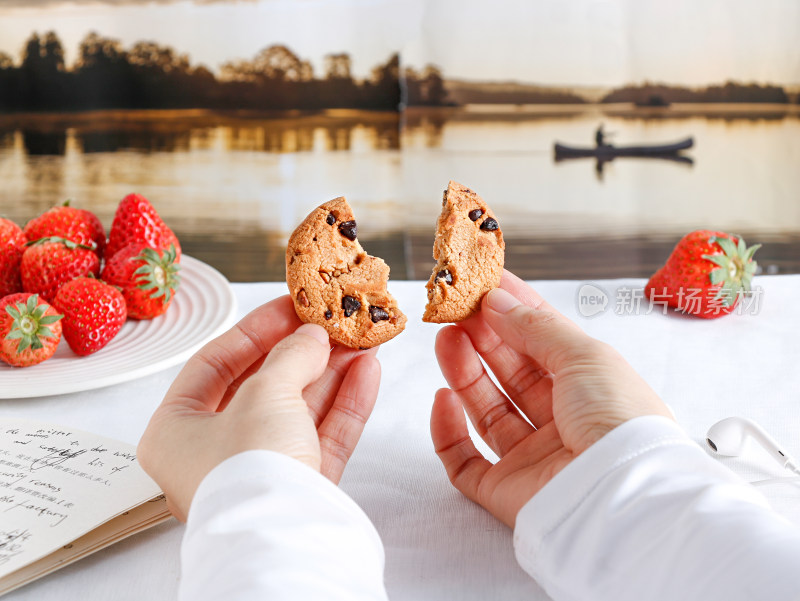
[(137, 221), (30, 329), (78, 225), (705, 275), (94, 313), (148, 278), (49, 263), (12, 245)]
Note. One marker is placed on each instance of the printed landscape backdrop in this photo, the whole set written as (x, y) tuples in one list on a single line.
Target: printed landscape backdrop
[(237, 117)]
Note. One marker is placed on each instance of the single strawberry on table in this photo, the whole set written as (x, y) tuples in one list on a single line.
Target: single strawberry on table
[(705, 275), (136, 220), (12, 245), (94, 312), (78, 225), (49, 263), (30, 329), (147, 277)]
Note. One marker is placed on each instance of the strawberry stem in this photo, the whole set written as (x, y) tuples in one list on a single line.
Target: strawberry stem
[(735, 268), (29, 324), (159, 272), (68, 243)]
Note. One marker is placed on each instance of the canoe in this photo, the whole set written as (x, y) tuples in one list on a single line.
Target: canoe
[(609, 151)]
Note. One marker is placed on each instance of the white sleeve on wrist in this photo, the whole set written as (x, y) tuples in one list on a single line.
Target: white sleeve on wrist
[(645, 513), (265, 526)]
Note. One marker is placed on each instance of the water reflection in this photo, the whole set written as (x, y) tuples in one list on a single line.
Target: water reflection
[(235, 184), (38, 143), (275, 138), (147, 141), (182, 131), (601, 162)]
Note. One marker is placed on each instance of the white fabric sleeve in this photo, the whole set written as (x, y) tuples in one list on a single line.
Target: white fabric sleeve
[(645, 513), (265, 526)]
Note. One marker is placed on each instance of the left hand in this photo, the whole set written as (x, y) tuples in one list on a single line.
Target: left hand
[(268, 383)]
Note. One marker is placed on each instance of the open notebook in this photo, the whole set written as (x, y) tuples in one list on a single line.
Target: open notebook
[(65, 494)]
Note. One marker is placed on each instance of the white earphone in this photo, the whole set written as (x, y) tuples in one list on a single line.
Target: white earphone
[(727, 437)]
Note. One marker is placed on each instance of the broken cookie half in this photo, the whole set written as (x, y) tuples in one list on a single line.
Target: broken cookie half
[(336, 284), (469, 251)]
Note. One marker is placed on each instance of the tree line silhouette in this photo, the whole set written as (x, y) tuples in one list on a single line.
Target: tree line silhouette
[(149, 75), (659, 94)]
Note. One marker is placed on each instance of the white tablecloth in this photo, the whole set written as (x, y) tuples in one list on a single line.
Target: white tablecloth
[(439, 545)]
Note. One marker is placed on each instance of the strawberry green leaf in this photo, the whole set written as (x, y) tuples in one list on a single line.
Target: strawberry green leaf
[(748, 254), (735, 271), (49, 319), (741, 248), (717, 276), (68, 243), (727, 245), (29, 324), (721, 260), (158, 272)]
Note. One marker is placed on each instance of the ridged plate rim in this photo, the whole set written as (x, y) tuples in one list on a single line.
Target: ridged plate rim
[(203, 308)]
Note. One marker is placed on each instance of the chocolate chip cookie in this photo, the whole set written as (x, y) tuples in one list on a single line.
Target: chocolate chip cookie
[(469, 251), (336, 284)]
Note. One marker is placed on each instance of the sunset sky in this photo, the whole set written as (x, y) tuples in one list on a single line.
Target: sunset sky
[(555, 42)]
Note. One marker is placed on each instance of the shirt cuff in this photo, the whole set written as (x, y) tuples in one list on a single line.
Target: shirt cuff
[(646, 513), (560, 497), (264, 525)]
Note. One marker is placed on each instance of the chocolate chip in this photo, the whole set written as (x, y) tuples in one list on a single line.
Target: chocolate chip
[(475, 214), (330, 219), (378, 314), (445, 275), (328, 314), (348, 229), (350, 305), (302, 298), (489, 225)]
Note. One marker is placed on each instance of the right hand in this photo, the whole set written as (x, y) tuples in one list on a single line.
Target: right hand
[(563, 392)]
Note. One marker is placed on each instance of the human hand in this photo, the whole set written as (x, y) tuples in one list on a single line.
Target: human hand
[(572, 388), (268, 383)]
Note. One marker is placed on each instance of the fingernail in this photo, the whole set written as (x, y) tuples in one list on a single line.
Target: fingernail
[(501, 301), (315, 331)]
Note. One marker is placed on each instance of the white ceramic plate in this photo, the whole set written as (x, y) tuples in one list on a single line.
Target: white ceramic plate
[(204, 307)]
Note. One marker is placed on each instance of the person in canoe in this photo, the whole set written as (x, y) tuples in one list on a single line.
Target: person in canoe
[(600, 137)]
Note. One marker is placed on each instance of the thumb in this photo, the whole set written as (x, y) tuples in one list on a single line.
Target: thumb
[(542, 334), (297, 360)]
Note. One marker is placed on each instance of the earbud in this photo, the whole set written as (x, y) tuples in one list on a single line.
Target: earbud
[(727, 437)]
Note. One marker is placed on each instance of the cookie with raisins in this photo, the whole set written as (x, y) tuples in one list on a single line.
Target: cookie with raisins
[(336, 284)]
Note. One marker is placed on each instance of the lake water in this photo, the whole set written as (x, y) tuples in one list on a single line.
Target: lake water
[(233, 186)]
